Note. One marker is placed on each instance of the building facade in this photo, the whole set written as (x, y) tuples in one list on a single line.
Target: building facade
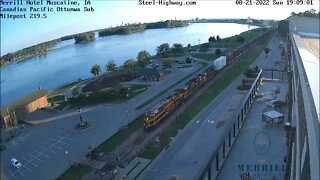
[(26, 105)]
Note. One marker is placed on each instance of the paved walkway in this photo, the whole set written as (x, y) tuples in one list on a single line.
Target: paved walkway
[(260, 148)]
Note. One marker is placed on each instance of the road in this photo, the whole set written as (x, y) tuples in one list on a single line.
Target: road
[(42, 150), (191, 149), (195, 143)]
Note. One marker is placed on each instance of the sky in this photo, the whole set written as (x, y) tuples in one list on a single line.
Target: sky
[(20, 33)]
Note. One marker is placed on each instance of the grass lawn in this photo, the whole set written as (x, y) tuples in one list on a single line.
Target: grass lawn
[(114, 95), (56, 98), (202, 102), (120, 136), (203, 64), (63, 89), (231, 42), (75, 173), (61, 105), (185, 66), (208, 57), (75, 91)]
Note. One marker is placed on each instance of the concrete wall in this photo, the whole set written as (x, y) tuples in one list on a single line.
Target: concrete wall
[(306, 149)]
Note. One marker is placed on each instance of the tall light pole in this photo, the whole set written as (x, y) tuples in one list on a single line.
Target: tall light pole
[(79, 109), (68, 159)]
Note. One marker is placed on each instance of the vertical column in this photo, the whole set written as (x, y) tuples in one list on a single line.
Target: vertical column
[(217, 162), (229, 138), (238, 122), (234, 129), (242, 115), (224, 149), (245, 107)]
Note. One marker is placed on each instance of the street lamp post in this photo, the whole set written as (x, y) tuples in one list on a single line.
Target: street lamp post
[(79, 109), (68, 159)]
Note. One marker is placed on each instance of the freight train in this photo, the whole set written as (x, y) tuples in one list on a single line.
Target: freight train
[(161, 110)]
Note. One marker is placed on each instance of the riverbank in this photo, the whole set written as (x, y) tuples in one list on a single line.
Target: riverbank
[(74, 61)]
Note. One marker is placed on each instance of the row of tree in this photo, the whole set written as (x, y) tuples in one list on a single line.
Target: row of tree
[(132, 28), (165, 48), (42, 48), (143, 59), (309, 13), (166, 24), (213, 39), (28, 52)]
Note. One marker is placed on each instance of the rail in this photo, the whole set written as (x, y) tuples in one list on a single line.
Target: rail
[(231, 127)]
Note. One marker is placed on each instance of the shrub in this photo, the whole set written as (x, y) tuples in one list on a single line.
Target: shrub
[(243, 87), (218, 52), (240, 39), (188, 60), (251, 73)]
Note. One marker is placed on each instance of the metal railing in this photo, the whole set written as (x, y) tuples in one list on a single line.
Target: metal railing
[(232, 129)]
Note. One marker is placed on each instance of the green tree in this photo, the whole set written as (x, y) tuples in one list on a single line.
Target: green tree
[(188, 60), (240, 39), (124, 91), (143, 58), (204, 47), (218, 52), (189, 47), (267, 50), (129, 65), (177, 48), (212, 39), (13, 119), (167, 62), (163, 48), (218, 38), (111, 66), (95, 70)]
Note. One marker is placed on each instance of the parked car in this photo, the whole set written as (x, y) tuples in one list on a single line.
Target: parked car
[(16, 163)]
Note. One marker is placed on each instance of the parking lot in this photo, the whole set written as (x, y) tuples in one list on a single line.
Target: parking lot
[(36, 158), (41, 150)]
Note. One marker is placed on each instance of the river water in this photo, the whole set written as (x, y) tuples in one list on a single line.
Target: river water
[(68, 61)]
